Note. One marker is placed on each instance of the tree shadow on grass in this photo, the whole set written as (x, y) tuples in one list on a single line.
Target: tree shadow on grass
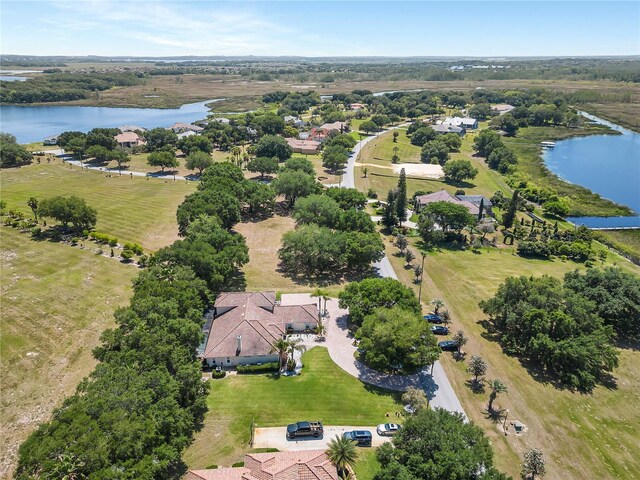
[(495, 414), (476, 386), (325, 279), (537, 372)]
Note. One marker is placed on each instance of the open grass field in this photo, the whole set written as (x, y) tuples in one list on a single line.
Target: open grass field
[(132, 209), (56, 301), (583, 202), (323, 391), (582, 436)]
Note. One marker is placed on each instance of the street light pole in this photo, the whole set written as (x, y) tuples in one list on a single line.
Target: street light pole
[(421, 279)]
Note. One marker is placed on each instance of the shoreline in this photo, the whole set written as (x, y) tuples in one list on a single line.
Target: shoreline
[(584, 201)]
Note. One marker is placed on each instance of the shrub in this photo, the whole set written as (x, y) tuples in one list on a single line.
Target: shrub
[(265, 367), (134, 247), (220, 374), (238, 464), (371, 193), (113, 242), (127, 255), (75, 240)]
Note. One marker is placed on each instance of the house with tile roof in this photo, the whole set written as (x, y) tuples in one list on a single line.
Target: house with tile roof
[(296, 465), (129, 140), (242, 327), (185, 127), (471, 202)]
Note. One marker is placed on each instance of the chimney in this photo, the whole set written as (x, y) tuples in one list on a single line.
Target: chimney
[(238, 344)]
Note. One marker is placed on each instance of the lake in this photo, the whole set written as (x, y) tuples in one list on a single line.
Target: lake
[(34, 123), (606, 164)]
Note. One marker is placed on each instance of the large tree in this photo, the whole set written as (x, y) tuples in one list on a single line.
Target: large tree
[(347, 197), (363, 298), (401, 198), (295, 184), (159, 138), (12, 154), (335, 158), (342, 453), (456, 171), (300, 164), (220, 203), (68, 210), (198, 160), (273, 146), (263, 165), (435, 151), (163, 160), (449, 216), (394, 338), (437, 444)]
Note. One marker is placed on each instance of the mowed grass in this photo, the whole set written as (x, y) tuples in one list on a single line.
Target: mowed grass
[(582, 436), (367, 464), (56, 301), (131, 209), (322, 392), (625, 240), (382, 179)]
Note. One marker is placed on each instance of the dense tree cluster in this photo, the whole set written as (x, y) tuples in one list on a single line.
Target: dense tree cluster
[(436, 444), (68, 210), (365, 297), (224, 193), (138, 410), (330, 237), (567, 328), (397, 338), (59, 87), (12, 154)]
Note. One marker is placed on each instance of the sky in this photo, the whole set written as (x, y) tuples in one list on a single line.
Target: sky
[(320, 28)]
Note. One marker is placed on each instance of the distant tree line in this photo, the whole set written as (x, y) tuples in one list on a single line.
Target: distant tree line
[(59, 87)]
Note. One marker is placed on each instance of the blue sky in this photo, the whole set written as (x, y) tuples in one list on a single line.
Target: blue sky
[(319, 28)]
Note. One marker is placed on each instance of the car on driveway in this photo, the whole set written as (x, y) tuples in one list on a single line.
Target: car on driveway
[(363, 438), (305, 429), (432, 318), (387, 429), (448, 345), (439, 330)]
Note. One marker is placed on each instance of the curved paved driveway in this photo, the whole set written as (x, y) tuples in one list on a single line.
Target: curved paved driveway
[(339, 342)]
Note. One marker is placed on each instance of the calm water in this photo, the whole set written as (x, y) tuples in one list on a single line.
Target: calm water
[(12, 78), (32, 124), (606, 164)]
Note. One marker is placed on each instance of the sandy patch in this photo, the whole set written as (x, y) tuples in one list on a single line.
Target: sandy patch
[(420, 170)]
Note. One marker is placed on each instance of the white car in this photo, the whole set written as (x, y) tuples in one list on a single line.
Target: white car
[(387, 429)]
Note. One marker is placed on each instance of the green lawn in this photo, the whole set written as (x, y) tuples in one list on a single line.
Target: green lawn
[(132, 209), (380, 150), (367, 465), (582, 436), (323, 391), (627, 241), (56, 301)]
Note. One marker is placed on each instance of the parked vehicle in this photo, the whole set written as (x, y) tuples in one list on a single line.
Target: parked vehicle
[(432, 318), (363, 438), (439, 330), (387, 429), (448, 345), (305, 429)]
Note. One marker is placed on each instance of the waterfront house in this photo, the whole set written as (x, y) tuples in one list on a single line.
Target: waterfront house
[(470, 202), (129, 140)]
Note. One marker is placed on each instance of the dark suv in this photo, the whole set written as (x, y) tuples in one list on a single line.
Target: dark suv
[(361, 437)]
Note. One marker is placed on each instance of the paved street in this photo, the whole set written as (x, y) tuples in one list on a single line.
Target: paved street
[(276, 437), (339, 342)]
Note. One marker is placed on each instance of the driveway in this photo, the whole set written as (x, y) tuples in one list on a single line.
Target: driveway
[(276, 437), (339, 342)]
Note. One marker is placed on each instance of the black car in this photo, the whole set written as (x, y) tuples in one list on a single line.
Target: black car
[(362, 438), (432, 318), (440, 330), (448, 345)]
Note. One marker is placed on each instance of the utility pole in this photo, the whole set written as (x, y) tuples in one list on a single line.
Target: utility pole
[(421, 279)]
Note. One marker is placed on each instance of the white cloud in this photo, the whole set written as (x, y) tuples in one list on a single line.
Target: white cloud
[(177, 28)]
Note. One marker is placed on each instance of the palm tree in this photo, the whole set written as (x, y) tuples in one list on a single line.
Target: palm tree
[(294, 346), (496, 386), (342, 453), (33, 203), (281, 346), (323, 295)]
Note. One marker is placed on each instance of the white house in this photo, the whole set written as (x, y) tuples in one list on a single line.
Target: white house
[(465, 122)]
